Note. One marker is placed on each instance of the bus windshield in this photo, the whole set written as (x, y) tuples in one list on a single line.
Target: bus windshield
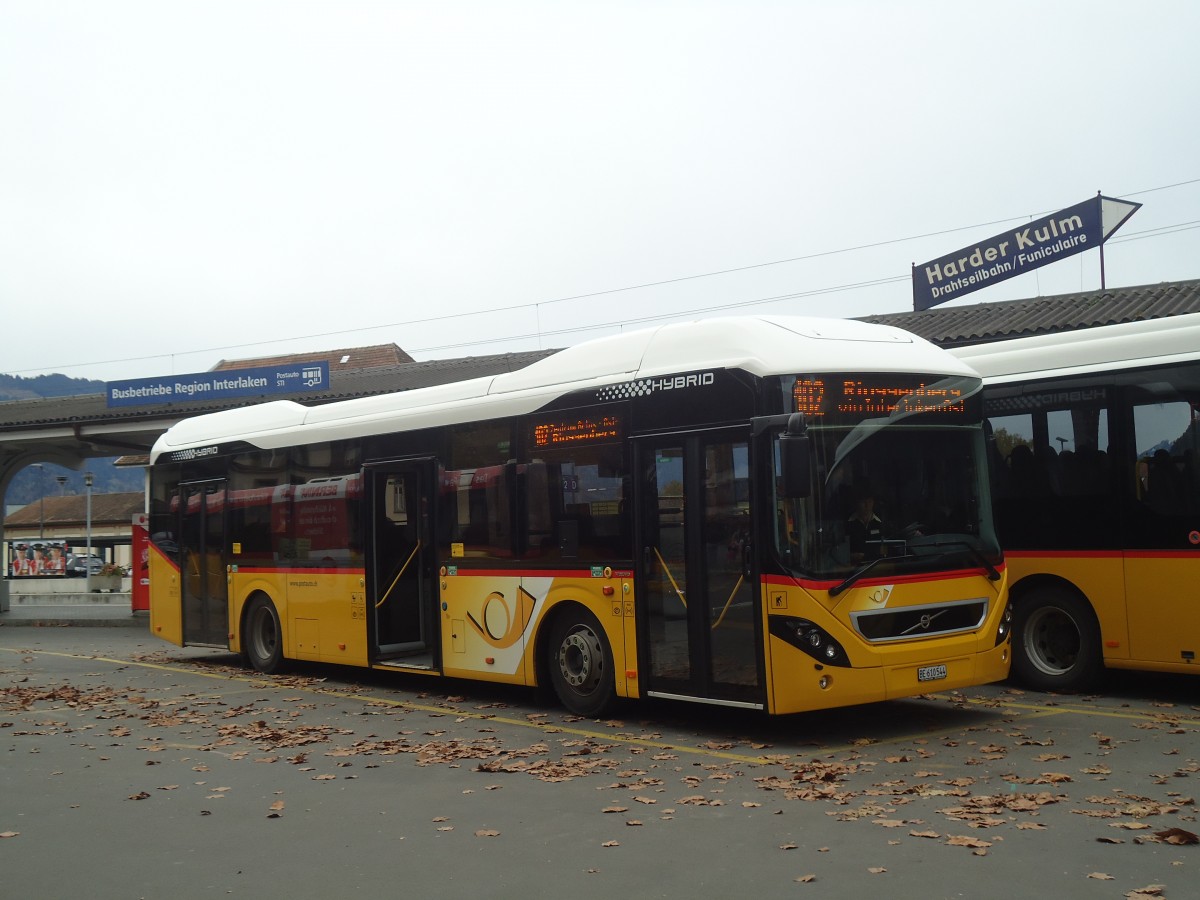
[(899, 479)]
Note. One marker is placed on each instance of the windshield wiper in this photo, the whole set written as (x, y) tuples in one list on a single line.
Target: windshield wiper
[(992, 573), (861, 571)]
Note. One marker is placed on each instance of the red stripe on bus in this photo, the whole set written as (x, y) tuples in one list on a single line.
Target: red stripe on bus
[(1102, 554), (1063, 554), (461, 573), (786, 580)]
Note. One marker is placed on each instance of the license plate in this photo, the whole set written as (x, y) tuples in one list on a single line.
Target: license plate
[(931, 673)]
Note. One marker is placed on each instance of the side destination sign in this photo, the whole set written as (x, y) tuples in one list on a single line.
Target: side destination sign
[(254, 382), (1084, 226)]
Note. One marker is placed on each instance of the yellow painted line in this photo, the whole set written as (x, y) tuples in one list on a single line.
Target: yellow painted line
[(1041, 709), (544, 727), (1024, 710)]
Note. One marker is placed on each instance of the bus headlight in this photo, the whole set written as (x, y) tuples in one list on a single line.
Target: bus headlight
[(1004, 629), (811, 638)]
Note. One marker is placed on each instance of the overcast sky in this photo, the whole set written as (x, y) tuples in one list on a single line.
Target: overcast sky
[(185, 182)]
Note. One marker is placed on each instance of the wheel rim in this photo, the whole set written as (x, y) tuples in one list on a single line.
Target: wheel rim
[(581, 660), (264, 635), (1052, 641)]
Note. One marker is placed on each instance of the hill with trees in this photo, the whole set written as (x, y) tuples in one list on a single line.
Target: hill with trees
[(33, 483)]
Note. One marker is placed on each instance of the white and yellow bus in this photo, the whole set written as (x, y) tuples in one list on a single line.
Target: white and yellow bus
[(1097, 496), (665, 513)]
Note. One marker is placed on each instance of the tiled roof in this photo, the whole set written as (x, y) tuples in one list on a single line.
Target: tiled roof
[(958, 326), (107, 509), (85, 408), (948, 326), (339, 360)]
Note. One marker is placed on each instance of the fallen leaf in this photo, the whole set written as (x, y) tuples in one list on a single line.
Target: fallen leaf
[(1100, 876), (1150, 890), (487, 832), (611, 844), (1177, 836), (8, 834), (805, 879), (966, 841), (876, 870)]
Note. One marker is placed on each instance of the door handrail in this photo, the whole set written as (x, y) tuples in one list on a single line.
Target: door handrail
[(392, 586)]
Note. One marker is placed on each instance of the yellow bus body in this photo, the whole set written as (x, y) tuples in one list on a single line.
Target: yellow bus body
[(884, 670), (490, 624)]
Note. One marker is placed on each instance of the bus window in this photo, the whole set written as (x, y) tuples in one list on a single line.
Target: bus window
[(476, 508), (574, 502), (1165, 436)]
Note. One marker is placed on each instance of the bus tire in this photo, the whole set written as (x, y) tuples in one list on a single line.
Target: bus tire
[(580, 663), (262, 636), (1056, 641)]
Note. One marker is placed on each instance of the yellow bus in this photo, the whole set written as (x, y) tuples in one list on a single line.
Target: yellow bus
[(1096, 493), (663, 513)]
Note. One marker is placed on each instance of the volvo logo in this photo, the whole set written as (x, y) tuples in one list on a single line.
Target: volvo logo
[(923, 623)]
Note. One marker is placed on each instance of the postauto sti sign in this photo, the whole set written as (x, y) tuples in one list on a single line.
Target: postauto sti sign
[(263, 380)]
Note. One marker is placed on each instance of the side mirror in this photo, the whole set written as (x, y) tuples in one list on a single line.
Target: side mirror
[(795, 458)]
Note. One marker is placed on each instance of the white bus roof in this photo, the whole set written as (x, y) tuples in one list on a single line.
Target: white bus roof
[(1104, 348), (759, 345)]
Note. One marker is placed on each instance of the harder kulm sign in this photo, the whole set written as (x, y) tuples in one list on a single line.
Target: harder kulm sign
[(253, 382), (1084, 226)]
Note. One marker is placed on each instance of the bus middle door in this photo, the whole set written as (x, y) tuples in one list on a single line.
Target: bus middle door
[(402, 587)]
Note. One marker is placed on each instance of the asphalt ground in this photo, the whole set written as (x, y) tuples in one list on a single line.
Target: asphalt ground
[(129, 768)]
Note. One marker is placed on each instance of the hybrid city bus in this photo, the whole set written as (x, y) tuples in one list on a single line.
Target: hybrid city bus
[(663, 513), (1096, 491)]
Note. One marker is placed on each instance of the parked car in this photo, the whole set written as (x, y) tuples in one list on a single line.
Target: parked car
[(79, 565)]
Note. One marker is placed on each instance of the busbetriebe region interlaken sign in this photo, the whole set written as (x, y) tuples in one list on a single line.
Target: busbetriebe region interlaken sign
[(254, 382), (1084, 226)]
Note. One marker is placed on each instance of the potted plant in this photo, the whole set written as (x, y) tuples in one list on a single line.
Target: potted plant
[(108, 578)]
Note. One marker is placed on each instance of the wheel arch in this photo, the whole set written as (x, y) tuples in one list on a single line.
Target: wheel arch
[(245, 603), (1038, 657), (1031, 584), (560, 607), (568, 611)]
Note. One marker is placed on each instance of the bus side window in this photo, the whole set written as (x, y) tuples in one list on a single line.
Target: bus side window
[(1164, 435), (574, 504)]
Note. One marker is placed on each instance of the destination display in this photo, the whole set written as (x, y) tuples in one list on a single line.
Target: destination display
[(576, 430), (870, 396)]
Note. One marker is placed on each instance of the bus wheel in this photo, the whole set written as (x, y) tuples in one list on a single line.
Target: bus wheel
[(581, 663), (1056, 643), (262, 637)]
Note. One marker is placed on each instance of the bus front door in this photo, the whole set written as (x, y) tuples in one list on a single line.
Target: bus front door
[(698, 611), (401, 587), (204, 589)]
